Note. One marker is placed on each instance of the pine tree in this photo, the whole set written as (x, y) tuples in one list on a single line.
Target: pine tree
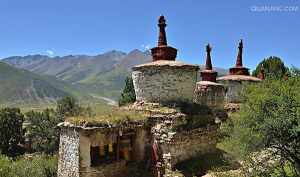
[(128, 94)]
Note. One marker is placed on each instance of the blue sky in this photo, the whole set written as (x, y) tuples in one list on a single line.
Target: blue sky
[(96, 26)]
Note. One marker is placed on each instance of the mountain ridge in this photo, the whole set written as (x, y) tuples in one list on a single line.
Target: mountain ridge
[(101, 74), (19, 86)]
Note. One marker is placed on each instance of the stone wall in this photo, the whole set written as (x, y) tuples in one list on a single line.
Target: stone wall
[(210, 94), (68, 164), (176, 143), (233, 89), (163, 84), (187, 144)]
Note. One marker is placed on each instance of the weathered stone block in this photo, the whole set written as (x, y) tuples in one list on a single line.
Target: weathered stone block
[(210, 94), (165, 82), (68, 164)]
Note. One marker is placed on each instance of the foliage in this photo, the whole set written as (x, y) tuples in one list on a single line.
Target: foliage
[(268, 121), (67, 107), (38, 165), (128, 94), (42, 130), (11, 133), (273, 67)]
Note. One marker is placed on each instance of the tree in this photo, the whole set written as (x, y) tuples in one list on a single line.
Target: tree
[(268, 122), (67, 106), (128, 94), (11, 133), (273, 67), (43, 131)]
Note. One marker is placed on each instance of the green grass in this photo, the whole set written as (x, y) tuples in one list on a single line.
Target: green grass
[(108, 115), (28, 166), (113, 116), (108, 84)]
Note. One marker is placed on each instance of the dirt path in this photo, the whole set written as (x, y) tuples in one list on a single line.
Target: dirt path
[(109, 101)]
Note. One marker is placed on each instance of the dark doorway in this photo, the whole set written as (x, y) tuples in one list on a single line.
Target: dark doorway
[(103, 154)]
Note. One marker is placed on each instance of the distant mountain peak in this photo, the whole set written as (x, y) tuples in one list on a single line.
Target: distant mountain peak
[(135, 51), (114, 52)]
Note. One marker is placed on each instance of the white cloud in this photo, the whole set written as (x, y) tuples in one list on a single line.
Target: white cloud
[(145, 47), (50, 52)]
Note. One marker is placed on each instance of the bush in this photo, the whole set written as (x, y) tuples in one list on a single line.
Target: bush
[(11, 133), (67, 106), (43, 131), (269, 121)]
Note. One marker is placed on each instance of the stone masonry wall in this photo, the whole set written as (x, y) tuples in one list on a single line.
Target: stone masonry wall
[(234, 89), (163, 84), (68, 164), (212, 95), (175, 144), (188, 144)]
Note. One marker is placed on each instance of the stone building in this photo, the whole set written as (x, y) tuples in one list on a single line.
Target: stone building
[(207, 91), (99, 150), (174, 118), (164, 79), (238, 75)]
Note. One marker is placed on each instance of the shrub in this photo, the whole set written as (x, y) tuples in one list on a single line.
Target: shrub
[(269, 121), (43, 131), (11, 133)]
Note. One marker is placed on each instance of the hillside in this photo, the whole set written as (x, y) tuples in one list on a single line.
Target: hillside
[(100, 75), (19, 86)]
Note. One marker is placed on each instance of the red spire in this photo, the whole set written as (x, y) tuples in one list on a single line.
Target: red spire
[(162, 39), (208, 65), (239, 69), (163, 51), (239, 59), (208, 74)]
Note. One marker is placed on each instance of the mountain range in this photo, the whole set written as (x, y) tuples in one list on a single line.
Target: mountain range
[(19, 86), (80, 75)]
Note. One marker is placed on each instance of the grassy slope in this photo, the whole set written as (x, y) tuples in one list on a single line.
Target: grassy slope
[(107, 84), (20, 87)]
